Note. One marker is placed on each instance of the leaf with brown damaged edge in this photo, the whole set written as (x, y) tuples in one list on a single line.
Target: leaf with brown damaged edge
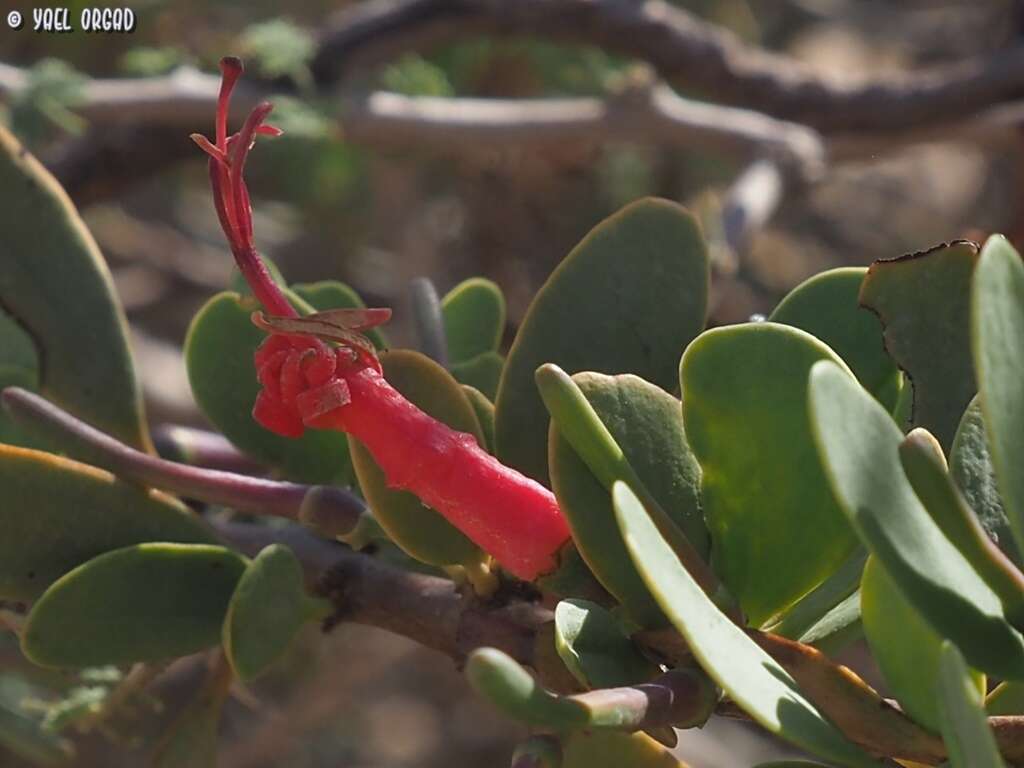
[(757, 683), (861, 714), (923, 301)]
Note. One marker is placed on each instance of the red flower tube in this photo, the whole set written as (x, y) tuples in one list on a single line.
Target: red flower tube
[(308, 382)]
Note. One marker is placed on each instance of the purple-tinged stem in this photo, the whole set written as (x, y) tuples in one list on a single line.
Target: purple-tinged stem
[(324, 507), (202, 448)]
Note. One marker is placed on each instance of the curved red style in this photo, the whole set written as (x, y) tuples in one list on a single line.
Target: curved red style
[(310, 383)]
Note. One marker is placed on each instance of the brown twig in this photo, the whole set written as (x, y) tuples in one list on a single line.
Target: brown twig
[(429, 610), (686, 51), (134, 119), (643, 112)]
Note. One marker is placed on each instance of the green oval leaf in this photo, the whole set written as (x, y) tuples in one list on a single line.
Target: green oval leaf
[(482, 372), (219, 356), (58, 513), (965, 728), (58, 289), (484, 410), (837, 628), (766, 500), (148, 602), (827, 306), (594, 313), (755, 681), (997, 326), (859, 445), (923, 301), (595, 649), (904, 645), (268, 608), (821, 600), (646, 425), (970, 464), (19, 367), (420, 531), (925, 467), (474, 318)]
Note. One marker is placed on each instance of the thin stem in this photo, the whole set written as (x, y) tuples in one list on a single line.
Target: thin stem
[(249, 494), (202, 448)]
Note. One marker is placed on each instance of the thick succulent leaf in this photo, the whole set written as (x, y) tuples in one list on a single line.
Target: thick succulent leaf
[(925, 467), (484, 410), (482, 372), (791, 764), (646, 425), (965, 728), (754, 681), (610, 749), (268, 608), (997, 326), (837, 628), (827, 306), (1006, 699), (219, 355), (501, 680), (58, 513), (474, 318), (970, 464), (904, 645), (766, 500), (19, 367), (56, 286), (191, 741), (597, 538), (147, 602), (627, 299), (333, 294), (851, 704), (859, 444), (821, 600), (422, 532), (595, 649), (923, 302)]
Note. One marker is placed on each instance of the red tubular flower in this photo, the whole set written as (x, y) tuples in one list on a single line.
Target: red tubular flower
[(319, 372)]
